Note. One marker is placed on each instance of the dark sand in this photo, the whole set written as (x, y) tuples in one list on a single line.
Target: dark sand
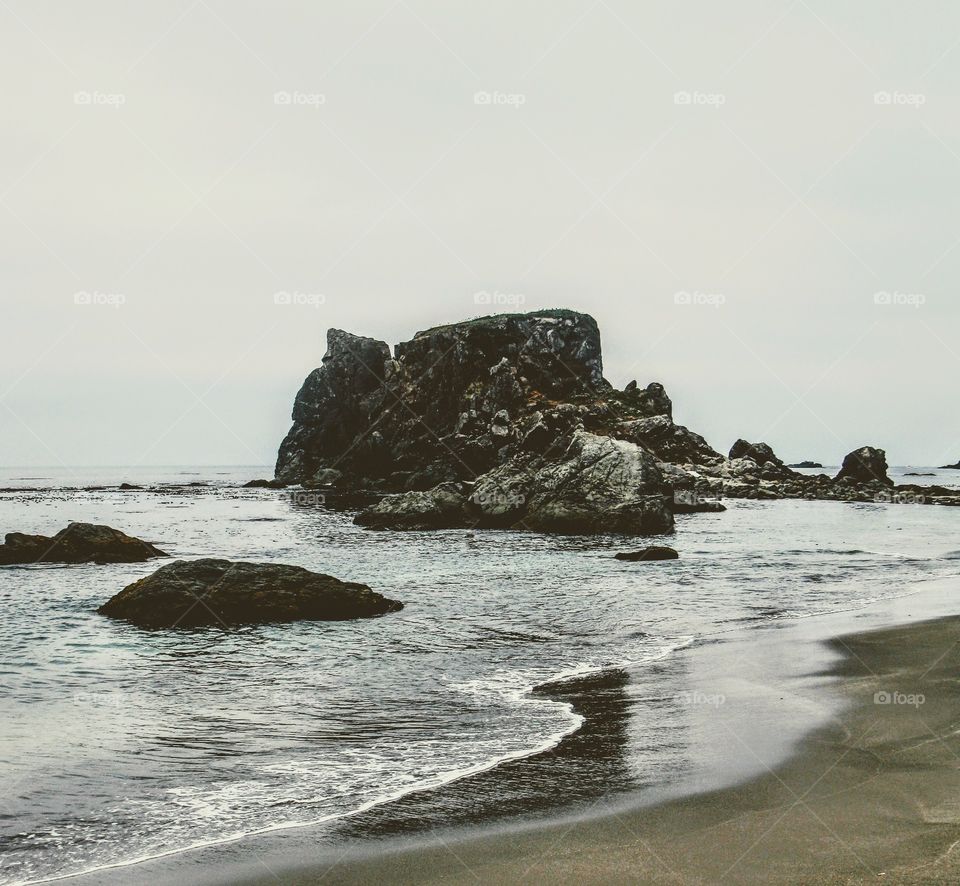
[(872, 797)]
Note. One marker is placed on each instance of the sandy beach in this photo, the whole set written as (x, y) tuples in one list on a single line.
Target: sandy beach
[(870, 796)]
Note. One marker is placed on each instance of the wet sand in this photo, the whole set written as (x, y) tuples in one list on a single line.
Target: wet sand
[(873, 796)]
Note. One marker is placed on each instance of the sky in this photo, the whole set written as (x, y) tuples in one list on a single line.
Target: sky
[(756, 200)]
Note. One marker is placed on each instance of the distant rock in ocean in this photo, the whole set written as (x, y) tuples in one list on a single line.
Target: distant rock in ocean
[(264, 484), (78, 543), (196, 593), (806, 464), (507, 422), (955, 467), (865, 465)]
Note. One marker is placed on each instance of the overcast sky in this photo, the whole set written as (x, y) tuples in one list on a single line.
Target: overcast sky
[(778, 244)]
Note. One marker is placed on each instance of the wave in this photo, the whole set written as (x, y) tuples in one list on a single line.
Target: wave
[(524, 693)]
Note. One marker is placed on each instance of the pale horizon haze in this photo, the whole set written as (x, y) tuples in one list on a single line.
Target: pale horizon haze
[(757, 202)]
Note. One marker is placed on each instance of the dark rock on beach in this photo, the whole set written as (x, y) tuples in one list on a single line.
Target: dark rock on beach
[(187, 594), (654, 552), (78, 543)]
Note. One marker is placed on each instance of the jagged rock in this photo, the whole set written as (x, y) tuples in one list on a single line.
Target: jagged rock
[(187, 594), (448, 401), (78, 543), (654, 552), (669, 442), (329, 412), (760, 453), (439, 508), (865, 465), (600, 485), (651, 400)]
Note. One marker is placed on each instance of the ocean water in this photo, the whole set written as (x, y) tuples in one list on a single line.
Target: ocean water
[(119, 744)]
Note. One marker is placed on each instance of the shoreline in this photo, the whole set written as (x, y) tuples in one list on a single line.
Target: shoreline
[(789, 693), (871, 794)]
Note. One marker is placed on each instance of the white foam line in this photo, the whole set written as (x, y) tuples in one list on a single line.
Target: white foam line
[(441, 781)]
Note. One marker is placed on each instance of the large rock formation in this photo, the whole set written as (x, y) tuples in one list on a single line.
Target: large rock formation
[(507, 421), (454, 402), (187, 594), (77, 543)]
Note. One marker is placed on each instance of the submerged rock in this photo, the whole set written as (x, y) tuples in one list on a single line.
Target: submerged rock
[(78, 543), (654, 552), (186, 594), (865, 465)]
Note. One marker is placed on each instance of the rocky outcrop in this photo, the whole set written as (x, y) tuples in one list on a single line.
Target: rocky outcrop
[(653, 553), (955, 467), (447, 402), (598, 485), (78, 543), (507, 421), (197, 593), (806, 464), (865, 465)]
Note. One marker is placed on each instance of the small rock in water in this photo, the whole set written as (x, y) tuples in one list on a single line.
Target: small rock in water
[(654, 552), (198, 593), (264, 484), (78, 543)]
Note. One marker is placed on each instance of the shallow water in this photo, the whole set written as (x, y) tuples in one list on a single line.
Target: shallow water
[(121, 744)]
